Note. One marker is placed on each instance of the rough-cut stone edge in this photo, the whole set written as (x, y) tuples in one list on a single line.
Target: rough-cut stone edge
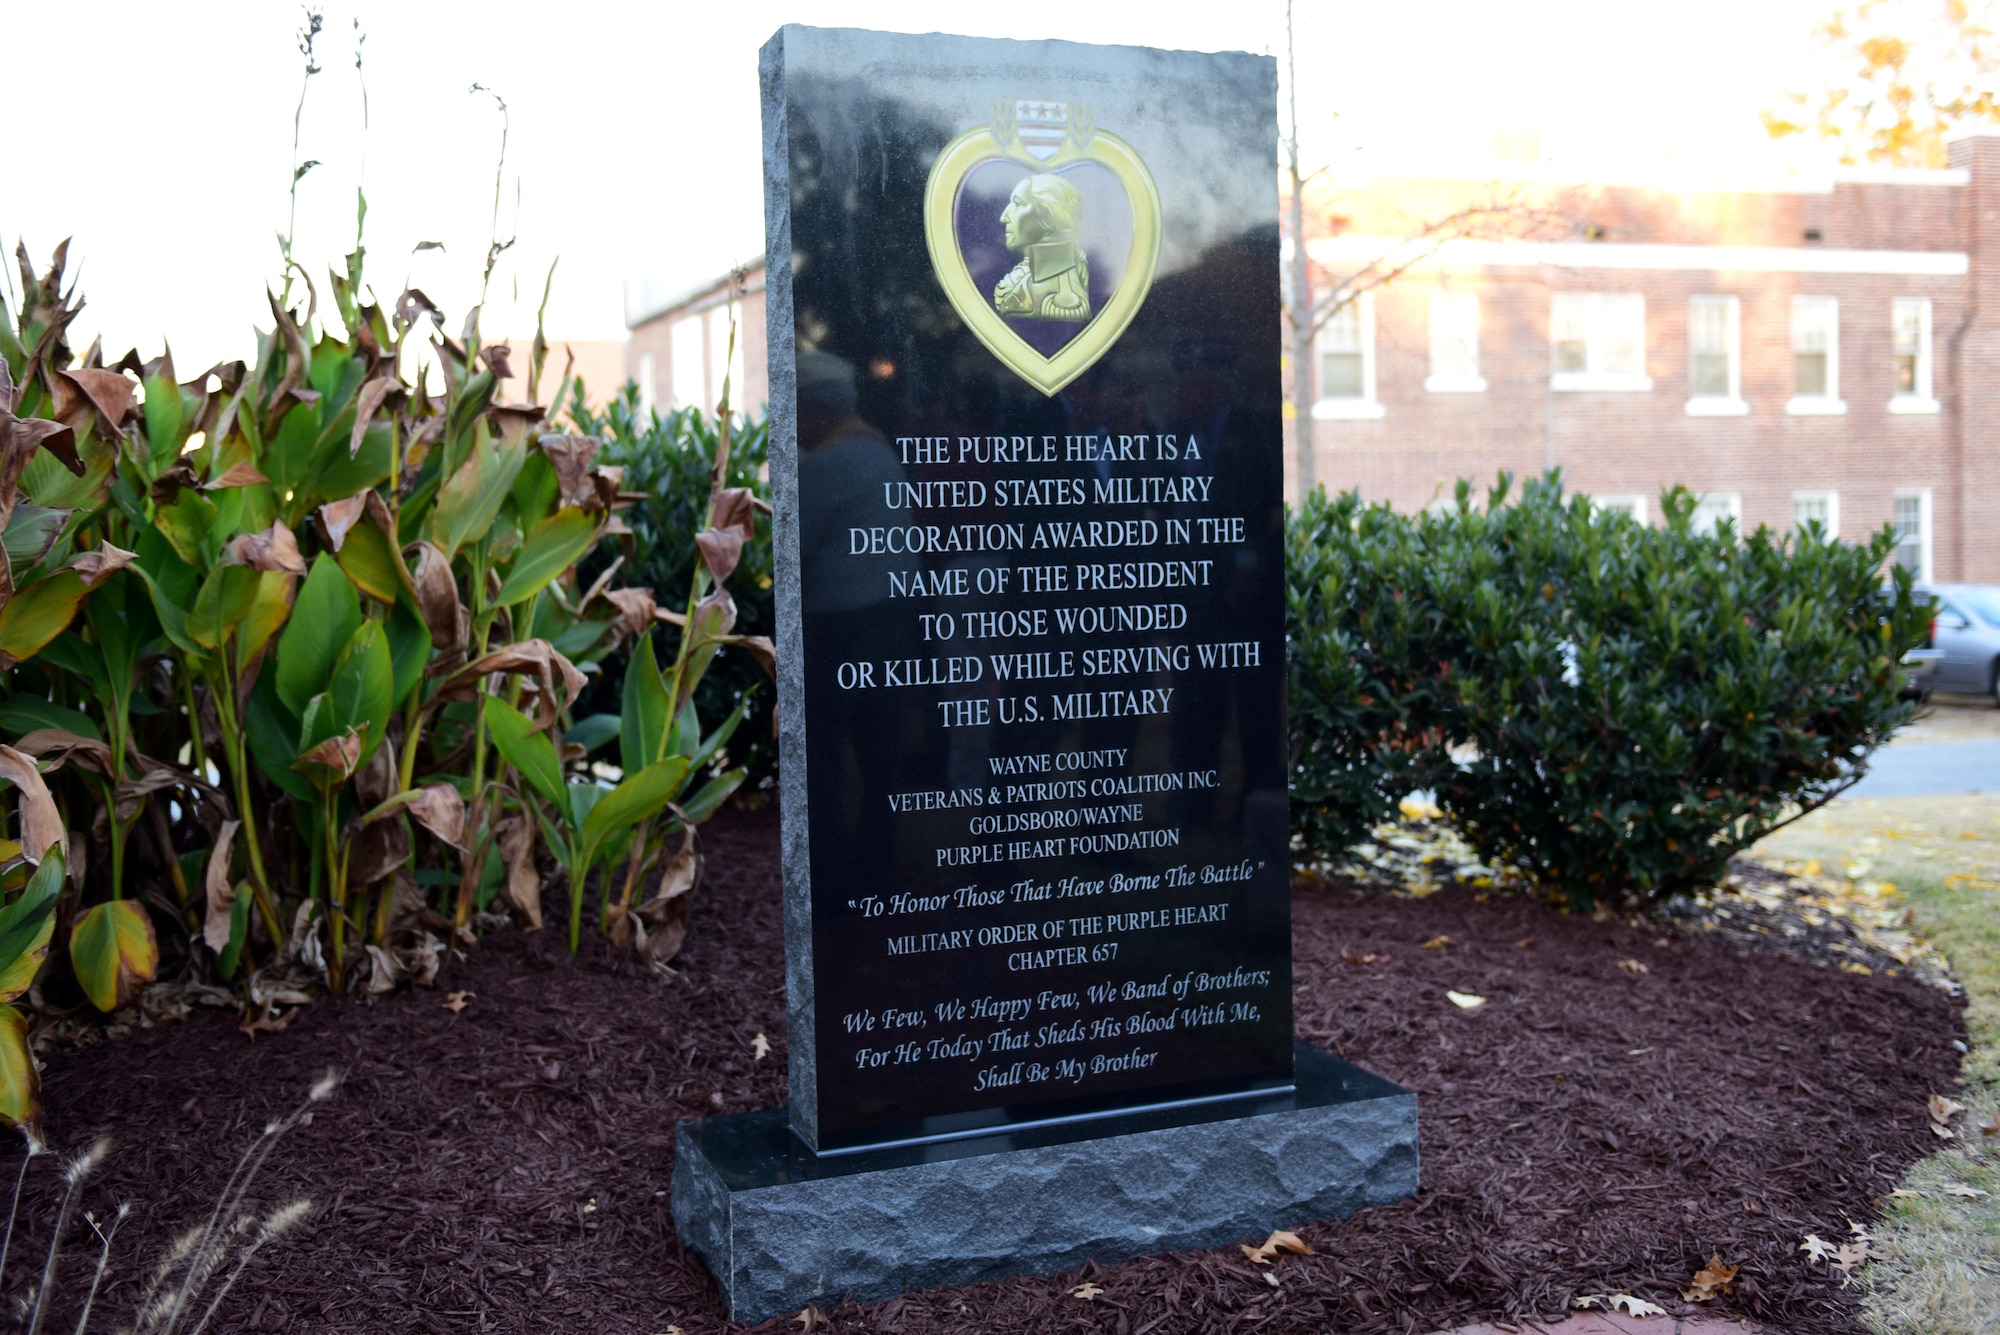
[(780, 338), (777, 1246)]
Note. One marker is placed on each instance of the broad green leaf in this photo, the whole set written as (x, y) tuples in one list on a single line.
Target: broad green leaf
[(172, 584), (712, 795), (37, 614), (239, 928), (526, 750), (552, 548), (272, 729), (226, 598), (589, 733), (640, 797), (686, 734), (166, 413), (576, 641), (470, 498), (31, 531), (374, 565), (270, 606), (24, 713), (26, 926), (121, 616), (409, 648), (114, 952), (323, 620), (361, 689), (583, 799), (716, 740), (336, 473), (190, 525), (645, 710), (20, 1083), (48, 483)]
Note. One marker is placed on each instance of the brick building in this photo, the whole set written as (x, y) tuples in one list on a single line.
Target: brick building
[(1800, 349), (680, 343), (1797, 350)]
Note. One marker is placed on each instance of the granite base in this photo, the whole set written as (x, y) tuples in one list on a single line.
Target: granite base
[(781, 1227)]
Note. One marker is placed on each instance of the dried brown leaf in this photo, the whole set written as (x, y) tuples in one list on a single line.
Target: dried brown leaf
[(736, 508), (58, 747), (437, 599), (721, 550), (1711, 1281), (571, 456), (78, 392), (365, 406), (516, 834), (100, 563), (41, 826), (215, 925), (274, 549)]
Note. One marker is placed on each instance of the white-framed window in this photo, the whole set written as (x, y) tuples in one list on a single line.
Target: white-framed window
[(1913, 531), (689, 355), (1598, 341), (1817, 507), (1713, 508), (1635, 506), (646, 399), (1910, 344), (1715, 357), (1815, 356), (1454, 343), (1345, 351)]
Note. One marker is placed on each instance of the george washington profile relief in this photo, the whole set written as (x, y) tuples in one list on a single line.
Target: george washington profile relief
[(1044, 222)]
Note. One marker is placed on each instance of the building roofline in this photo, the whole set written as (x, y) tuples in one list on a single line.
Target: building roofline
[(1820, 181), (644, 303), (1473, 253)]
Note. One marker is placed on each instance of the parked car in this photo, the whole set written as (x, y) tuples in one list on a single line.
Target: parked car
[(1965, 632)]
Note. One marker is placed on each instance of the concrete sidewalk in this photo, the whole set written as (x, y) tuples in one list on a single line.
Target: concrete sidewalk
[(1597, 1323), (1931, 769)]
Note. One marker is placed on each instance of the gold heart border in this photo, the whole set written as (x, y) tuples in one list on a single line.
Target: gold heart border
[(1048, 374)]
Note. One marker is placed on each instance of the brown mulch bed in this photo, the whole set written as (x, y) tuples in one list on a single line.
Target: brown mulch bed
[(1592, 1129)]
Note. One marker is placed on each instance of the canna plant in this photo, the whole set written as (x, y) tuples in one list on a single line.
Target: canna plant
[(292, 614)]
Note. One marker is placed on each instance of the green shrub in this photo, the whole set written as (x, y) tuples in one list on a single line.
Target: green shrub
[(1632, 705), (668, 457), (1365, 708)]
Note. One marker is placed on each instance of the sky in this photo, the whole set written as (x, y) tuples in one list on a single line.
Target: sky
[(633, 150)]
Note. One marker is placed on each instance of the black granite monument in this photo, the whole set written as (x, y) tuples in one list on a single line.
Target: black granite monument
[(1026, 463)]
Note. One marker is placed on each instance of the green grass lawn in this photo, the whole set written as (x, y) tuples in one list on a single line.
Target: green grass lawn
[(1937, 1253)]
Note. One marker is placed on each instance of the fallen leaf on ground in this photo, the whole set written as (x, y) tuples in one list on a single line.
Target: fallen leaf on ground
[(1524, 943), (1817, 1248), (1711, 1281), (1960, 1189), (1353, 958), (1907, 1194), (1633, 966), (1283, 1240), (1850, 1255), (1943, 1132), (811, 1319), (1437, 943), (1085, 1291), (1465, 1001), (761, 1046), (1613, 1301), (455, 1001), (1944, 1109), (1991, 1128)]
